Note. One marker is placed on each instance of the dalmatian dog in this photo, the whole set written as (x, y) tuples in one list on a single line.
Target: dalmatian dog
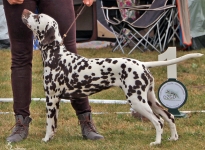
[(72, 76)]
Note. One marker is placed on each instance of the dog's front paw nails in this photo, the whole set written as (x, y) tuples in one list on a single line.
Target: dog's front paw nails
[(154, 143)]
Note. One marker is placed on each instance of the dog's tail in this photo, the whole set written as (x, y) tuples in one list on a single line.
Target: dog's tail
[(172, 61)]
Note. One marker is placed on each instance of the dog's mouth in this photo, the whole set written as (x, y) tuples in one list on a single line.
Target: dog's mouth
[(25, 21)]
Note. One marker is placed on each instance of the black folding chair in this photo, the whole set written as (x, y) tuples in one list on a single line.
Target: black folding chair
[(157, 21)]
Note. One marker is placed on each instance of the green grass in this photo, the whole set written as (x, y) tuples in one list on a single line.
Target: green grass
[(121, 131)]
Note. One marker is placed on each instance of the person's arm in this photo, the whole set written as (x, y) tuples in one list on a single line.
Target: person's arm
[(88, 2), (13, 2)]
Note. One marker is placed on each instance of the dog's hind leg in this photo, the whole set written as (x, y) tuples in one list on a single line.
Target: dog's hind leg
[(144, 109), (52, 108), (159, 110), (56, 118)]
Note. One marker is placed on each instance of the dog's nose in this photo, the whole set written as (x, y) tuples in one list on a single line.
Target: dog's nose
[(25, 15), (25, 12)]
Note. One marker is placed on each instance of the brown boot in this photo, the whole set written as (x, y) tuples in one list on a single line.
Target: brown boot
[(21, 129), (87, 127)]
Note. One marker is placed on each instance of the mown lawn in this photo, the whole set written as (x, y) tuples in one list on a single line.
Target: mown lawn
[(121, 131)]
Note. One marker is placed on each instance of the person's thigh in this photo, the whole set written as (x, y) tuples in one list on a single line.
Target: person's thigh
[(19, 34)]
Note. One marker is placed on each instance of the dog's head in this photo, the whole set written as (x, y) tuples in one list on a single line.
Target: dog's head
[(44, 27)]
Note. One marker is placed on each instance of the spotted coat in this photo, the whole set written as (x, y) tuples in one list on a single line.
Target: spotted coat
[(68, 75)]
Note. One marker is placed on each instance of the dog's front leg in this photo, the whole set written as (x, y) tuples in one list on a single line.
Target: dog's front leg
[(52, 107)]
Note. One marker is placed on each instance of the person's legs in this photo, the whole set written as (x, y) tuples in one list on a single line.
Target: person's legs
[(63, 12), (21, 67)]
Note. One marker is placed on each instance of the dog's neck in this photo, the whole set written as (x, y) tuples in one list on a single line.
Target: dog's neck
[(56, 48), (50, 54), (52, 45)]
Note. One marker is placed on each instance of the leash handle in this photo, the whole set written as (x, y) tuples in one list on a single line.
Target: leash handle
[(78, 14)]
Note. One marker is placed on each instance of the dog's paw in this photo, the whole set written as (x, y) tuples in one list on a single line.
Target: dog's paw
[(45, 139), (175, 138), (154, 143)]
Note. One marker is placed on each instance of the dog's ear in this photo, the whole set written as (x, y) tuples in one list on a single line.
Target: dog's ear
[(49, 36)]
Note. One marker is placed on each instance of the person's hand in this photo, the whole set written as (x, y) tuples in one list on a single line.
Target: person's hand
[(88, 2), (13, 2)]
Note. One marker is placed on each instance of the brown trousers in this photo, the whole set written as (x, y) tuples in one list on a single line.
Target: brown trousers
[(21, 39)]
